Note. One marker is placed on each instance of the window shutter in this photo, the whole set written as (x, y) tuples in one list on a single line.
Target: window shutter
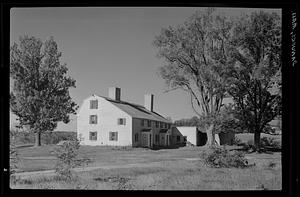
[(90, 119), (95, 119), (91, 104), (116, 136), (96, 104)]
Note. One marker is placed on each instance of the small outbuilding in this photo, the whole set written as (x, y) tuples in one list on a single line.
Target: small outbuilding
[(199, 138)]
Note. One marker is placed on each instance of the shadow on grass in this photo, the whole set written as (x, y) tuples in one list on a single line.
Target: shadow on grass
[(166, 147), (25, 145), (251, 149)]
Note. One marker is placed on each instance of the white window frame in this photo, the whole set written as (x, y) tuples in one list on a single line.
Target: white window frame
[(93, 121), (94, 104), (91, 137), (121, 121), (113, 138)]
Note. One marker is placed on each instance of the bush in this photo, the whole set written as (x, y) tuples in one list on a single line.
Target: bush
[(55, 137), (220, 157), (269, 130), (23, 137), (237, 141), (270, 143), (67, 158)]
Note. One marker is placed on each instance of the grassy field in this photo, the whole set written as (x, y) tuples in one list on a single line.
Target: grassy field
[(173, 170)]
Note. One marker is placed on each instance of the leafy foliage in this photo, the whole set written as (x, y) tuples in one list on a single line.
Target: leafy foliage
[(194, 121), (196, 59), (255, 72), (270, 143), (221, 158), (237, 141), (40, 96), (67, 158), (54, 137)]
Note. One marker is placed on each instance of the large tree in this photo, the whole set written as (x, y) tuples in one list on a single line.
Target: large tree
[(195, 54), (255, 75), (40, 95)]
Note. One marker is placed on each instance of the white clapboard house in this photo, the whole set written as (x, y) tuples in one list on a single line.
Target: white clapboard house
[(114, 122)]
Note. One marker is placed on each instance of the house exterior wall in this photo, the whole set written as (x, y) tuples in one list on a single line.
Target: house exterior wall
[(107, 121), (189, 132)]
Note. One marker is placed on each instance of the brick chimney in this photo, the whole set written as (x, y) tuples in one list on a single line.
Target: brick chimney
[(149, 99), (114, 93)]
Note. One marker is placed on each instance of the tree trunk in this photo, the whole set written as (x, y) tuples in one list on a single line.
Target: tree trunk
[(37, 139), (257, 140), (210, 137)]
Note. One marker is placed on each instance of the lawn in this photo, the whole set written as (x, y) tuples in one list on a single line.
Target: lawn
[(42, 158), (172, 169), (169, 175)]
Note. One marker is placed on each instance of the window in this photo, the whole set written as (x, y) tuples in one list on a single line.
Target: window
[(178, 138), (136, 137), (93, 136), (121, 121), (93, 104), (156, 138), (149, 123), (142, 122), (166, 125), (113, 136), (93, 119), (161, 124), (156, 124), (169, 126)]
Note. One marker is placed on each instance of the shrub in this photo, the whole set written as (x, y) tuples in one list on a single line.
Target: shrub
[(67, 158), (267, 142), (237, 141), (219, 157), (54, 137), (268, 130)]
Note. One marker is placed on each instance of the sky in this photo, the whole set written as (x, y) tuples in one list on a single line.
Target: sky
[(111, 47)]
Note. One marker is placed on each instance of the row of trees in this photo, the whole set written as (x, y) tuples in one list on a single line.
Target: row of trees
[(212, 57)]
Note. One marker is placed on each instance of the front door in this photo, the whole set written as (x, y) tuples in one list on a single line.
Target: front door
[(144, 140)]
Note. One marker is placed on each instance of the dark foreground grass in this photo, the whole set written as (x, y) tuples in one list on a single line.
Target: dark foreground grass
[(169, 175)]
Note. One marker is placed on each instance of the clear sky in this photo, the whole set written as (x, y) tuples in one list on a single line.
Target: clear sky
[(106, 47)]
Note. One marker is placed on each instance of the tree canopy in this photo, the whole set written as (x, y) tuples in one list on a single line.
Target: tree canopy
[(40, 95), (195, 55), (255, 74)]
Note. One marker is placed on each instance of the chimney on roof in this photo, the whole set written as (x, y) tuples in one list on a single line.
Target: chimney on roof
[(114, 93), (149, 98)]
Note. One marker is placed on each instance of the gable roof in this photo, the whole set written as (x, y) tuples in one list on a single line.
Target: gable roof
[(136, 111)]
